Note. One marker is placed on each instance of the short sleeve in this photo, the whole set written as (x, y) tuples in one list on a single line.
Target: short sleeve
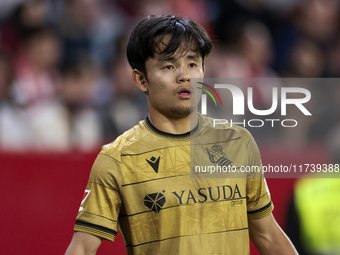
[(99, 209), (259, 203)]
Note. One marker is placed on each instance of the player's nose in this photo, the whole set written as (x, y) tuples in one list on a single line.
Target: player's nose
[(183, 75)]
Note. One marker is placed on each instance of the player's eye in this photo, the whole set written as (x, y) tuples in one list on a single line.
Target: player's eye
[(192, 65), (168, 67)]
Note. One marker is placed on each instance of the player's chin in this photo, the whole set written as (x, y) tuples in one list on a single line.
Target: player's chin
[(183, 111)]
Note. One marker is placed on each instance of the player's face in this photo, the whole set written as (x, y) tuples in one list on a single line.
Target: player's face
[(168, 85)]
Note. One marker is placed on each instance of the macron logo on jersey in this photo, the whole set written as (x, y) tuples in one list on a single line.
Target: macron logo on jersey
[(86, 194), (154, 163)]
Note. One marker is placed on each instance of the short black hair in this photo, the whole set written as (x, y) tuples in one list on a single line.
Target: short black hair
[(150, 32)]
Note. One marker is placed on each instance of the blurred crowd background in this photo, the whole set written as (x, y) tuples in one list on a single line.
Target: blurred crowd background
[(65, 83)]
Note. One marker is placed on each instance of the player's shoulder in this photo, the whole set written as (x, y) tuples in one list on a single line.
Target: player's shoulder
[(129, 137), (219, 125)]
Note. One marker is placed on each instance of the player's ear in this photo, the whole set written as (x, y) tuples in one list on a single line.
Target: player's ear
[(139, 80)]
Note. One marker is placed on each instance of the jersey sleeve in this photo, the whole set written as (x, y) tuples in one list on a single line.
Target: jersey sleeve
[(259, 203), (99, 209)]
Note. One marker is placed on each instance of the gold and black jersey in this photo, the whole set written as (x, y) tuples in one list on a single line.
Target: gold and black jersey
[(141, 186)]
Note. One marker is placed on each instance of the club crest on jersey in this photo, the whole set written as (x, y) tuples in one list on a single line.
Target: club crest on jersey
[(217, 156), (154, 201)]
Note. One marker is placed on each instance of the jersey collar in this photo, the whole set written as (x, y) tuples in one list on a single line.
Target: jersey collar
[(178, 137)]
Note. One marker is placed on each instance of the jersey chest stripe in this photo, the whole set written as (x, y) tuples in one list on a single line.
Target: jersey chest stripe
[(257, 199), (158, 149), (164, 208), (227, 141), (111, 158), (231, 230), (163, 148), (104, 186), (124, 185), (99, 216)]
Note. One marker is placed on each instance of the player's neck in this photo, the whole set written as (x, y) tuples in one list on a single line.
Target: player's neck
[(172, 125)]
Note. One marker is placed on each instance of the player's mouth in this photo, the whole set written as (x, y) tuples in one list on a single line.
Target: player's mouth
[(184, 93)]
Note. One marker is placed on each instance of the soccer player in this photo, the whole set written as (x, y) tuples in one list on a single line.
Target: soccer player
[(140, 184)]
